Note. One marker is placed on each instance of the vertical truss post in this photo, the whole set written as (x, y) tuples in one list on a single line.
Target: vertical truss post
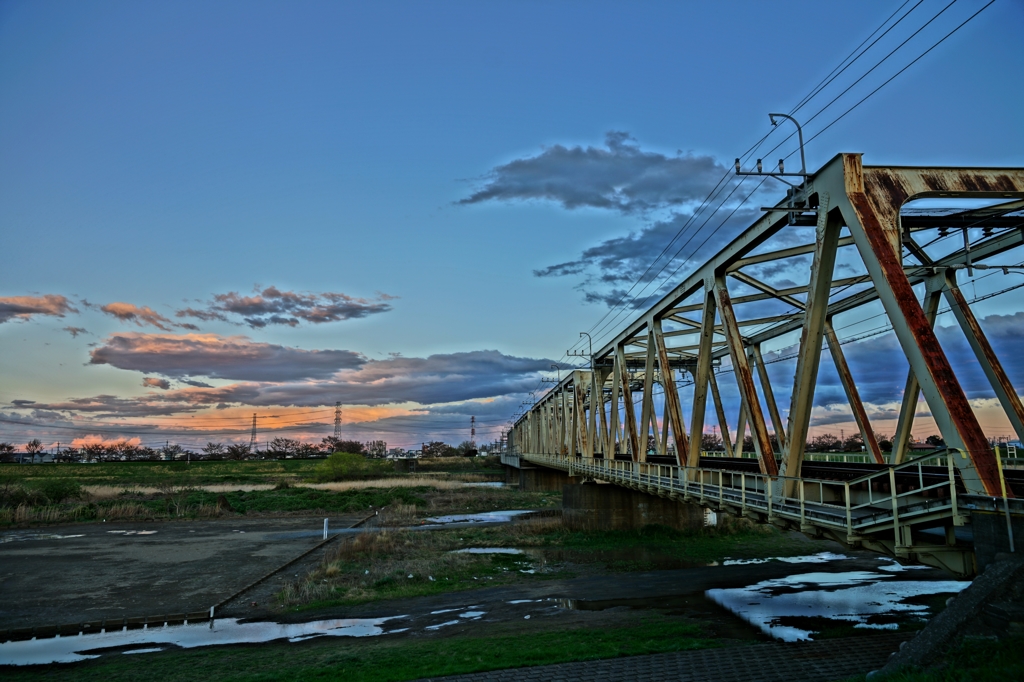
[(826, 243), (702, 376), (769, 396), (859, 414), (647, 405), (745, 379), (880, 247), (616, 424), (629, 413), (605, 444), (595, 424), (723, 423), (741, 429), (673, 409), (579, 412), (987, 358)]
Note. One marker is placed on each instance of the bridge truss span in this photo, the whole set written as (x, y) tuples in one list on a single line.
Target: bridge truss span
[(728, 316)]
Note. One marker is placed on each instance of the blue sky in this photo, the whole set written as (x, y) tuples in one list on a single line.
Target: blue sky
[(162, 155)]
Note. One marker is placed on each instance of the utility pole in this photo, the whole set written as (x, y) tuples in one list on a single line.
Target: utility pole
[(252, 439), (472, 431)]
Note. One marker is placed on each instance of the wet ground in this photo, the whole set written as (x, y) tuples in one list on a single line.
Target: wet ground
[(774, 600), (97, 571), (91, 572)]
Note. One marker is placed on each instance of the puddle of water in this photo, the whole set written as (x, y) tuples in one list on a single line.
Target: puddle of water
[(488, 550), (472, 614), (820, 558), (483, 517), (21, 537), (438, 626), (224, 631), (486, 484), (862, 598), (894, 566), (133, 532)]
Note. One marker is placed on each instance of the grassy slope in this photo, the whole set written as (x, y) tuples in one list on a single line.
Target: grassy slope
[(381, 660), (984, 661)]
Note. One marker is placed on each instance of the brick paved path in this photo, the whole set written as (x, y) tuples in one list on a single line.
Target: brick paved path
[(824, 661)]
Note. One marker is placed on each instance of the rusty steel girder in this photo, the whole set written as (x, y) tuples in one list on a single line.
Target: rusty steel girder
[(702, 320)]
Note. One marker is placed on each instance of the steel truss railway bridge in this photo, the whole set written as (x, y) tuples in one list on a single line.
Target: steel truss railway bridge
[(588, 424)]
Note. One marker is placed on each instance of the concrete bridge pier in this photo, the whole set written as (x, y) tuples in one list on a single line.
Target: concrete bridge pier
[(599, 506)]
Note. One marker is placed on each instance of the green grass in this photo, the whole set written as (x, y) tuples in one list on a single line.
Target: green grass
[(310, 499), (383, 660), (972, 661), (157, 473), (697, 547)]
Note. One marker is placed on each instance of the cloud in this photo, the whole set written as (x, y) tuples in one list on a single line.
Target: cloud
[(619, 177), (75, 331), (93, 439), (152, 382), (24, 307), (219, 357), (142, 316), (22, 403), (661, 252), (271, 306)]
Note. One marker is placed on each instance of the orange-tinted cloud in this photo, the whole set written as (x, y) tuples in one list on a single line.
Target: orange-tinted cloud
[(153, 382), (24, 307), (140, 315), (106, 442)]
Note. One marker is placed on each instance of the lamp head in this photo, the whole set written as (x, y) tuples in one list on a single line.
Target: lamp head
[(759, 165)]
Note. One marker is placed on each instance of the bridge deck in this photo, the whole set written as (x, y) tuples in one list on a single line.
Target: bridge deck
[(857, 509)]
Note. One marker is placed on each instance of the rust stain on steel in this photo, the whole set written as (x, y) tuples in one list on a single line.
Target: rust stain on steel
[(745, 379), (964, 419), (968, 181)]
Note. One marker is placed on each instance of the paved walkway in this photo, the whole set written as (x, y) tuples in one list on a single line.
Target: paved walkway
[(825, 661)]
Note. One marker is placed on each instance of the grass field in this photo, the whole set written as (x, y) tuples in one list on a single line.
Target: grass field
[(400, 563), (970, 661), (390, 660)]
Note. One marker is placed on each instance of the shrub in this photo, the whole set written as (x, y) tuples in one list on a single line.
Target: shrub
[(58, 490), (342, 465)]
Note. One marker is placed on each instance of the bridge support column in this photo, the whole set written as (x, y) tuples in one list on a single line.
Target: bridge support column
[(595, 506), (541, 478)]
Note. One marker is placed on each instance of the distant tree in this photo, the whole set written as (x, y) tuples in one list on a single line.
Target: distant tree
[(6, 452), (172, 451), (332, 444), (824, 443), (711, 442), (214, 450), (884, 442), (33, 447), (466, 448), (283, 446), (437, 448), (307, 450), (95, 451), (748, 444), (853, 443), (935, 441), (237, 451)]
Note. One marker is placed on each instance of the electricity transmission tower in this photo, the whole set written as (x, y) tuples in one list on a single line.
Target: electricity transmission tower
[(252, 439), (337, 421)]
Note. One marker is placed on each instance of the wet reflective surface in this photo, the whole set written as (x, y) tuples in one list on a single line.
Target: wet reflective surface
[(483, 517), (223, 631), (23, 536), (783, 607)]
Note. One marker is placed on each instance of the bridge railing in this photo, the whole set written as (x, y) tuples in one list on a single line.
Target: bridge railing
[(811, 501)]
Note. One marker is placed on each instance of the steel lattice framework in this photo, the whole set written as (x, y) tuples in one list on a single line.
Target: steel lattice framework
[(725, 308)]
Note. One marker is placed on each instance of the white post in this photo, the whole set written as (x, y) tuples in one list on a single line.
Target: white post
[(325, 529)]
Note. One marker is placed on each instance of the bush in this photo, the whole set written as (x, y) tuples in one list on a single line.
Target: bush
[(58, 490), (344, 465)]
